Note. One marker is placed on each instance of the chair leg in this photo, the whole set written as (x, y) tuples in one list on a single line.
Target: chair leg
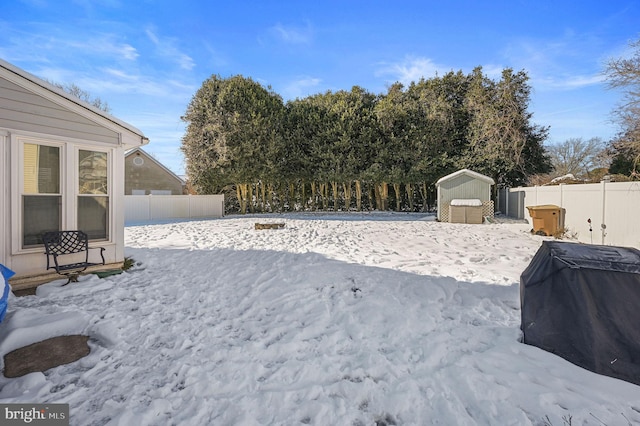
[(72, 278)]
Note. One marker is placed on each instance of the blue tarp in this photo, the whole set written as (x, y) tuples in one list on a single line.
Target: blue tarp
[(6, 274)]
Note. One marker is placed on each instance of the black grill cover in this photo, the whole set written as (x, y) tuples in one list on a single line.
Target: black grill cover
[(582, 302)]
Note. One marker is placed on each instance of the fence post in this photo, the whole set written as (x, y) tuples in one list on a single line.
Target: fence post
[(603, 225), (507, 192)]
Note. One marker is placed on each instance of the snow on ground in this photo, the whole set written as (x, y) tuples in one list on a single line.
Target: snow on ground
[(344, 319)]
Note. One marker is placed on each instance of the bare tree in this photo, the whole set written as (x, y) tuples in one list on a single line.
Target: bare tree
[(577, 157), (624, 74), (83, 95)]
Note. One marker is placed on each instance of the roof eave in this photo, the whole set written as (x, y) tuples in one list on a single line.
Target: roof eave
[(44, 88)]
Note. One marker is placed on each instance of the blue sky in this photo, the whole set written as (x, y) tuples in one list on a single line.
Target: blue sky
[(147, 58)]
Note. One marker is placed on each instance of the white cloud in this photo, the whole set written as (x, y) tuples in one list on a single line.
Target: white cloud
[(493, 71), (577, 81), (293, 35), (215, 57), (91, 4), (104, 45), (118, 81), (44, 43), (571, 61), (411, 69), (301, 87), (152, 37), (120, 74), (560, 82), (166, 47)]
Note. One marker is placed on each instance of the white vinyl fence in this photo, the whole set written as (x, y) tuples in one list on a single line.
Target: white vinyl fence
[(142, 208), (613, 207)]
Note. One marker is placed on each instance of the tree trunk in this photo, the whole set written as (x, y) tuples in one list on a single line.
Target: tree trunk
[(409, 188), (373, 197), (313, 196), (252, 206), (347, 195), (242, 190), (263, 189), (239, 196), (282, 190), (382, 195), (270, 196), (396, 189), (292, 196), (305, 202), (424, 194), (334, 190), (358, 196), (324, 194)]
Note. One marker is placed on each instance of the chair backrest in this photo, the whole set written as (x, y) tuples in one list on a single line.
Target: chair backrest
[(65, 242)]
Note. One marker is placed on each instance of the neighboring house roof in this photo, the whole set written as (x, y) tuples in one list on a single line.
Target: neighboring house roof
[(467, 172), (59, 96), (143, 152)]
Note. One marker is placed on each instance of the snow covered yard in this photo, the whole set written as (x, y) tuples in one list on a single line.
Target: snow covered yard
[(353, 319)]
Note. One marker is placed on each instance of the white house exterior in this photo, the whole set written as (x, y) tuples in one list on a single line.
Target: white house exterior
[(464, 184), (61, 167)]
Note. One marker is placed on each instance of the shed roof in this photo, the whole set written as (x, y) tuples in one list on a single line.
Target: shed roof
[(467, 172), (47, 90)]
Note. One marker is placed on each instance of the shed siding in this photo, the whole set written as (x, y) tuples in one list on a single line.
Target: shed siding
[(26, 111), (464, 187)]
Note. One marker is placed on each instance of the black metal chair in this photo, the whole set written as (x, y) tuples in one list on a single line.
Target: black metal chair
[(61, 245)]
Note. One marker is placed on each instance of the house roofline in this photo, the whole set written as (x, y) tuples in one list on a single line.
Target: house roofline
[(69, 98)]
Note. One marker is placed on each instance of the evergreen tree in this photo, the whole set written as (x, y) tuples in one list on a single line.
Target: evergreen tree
[(233, 136), (502, 141), (336, 150)]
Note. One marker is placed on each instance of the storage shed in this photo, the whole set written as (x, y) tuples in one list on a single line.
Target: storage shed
[(462, 185), (580, 302)]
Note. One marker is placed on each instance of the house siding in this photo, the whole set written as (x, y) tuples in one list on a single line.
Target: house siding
[(31, 110), (26, 111), (149, 176)]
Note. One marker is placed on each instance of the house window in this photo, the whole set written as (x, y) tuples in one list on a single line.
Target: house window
[(41, 192), (93, 194), (59, 185)]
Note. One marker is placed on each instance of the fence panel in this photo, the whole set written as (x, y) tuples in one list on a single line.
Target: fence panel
[(581, 203), (136, 208), (612, 207), (141, 208), (168, 207), (206, 206), (622, 214)]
